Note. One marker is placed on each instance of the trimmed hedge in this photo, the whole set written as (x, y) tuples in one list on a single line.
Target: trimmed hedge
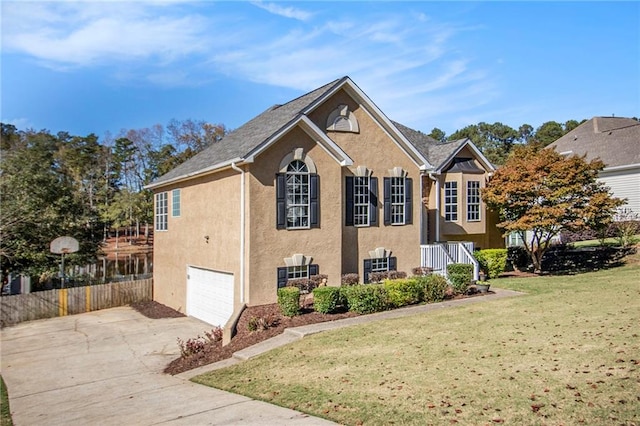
[(289, 301), (460, 276), (326, 299), (434, 287), (365, 299), (492, 262), (350, 279), (403, 292)]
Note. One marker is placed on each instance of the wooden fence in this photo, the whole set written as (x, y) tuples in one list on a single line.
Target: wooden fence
[(69, 301)]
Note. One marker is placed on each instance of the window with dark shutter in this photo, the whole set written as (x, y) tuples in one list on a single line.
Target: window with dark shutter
[(281, 201), (348, 221), (373, 201), (282, 277), (367, 270), (408, 201), (397, 204), (314, 204)]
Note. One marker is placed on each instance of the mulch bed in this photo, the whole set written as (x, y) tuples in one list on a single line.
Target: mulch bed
[(243, 338)]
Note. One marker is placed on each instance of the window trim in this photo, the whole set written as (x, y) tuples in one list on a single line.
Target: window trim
[(162, 211), (350, 201), (282, 273), (176, 206), (451, 201), (298, 178), (407, 203), (473, 200), (392, 265), (361, 200)]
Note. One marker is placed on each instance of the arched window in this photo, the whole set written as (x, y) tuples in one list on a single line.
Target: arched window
[(297, 178), (297, 195)]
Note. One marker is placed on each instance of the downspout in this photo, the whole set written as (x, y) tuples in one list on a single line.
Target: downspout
[(242, 231), (437, 181)]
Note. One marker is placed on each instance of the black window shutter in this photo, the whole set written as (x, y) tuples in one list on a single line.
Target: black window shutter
[(282, 277), (314, 207), (387, 200), (367, 271), (408, 201), (314, 270), (281, 201), (373, 201), (348, 220), (393, 264)]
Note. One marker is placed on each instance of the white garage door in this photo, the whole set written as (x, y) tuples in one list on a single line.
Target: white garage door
[(209, 295)]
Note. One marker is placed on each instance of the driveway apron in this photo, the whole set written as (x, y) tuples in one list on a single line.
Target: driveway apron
[(105, 367)]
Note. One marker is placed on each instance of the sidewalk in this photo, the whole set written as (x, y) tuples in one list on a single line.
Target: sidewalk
[(296, 333)]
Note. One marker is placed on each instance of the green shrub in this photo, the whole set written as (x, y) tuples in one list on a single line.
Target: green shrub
[(326, 299), (289, 301), (434, 287), (366, 298), (402, 292), (492, 262), (460, 276)]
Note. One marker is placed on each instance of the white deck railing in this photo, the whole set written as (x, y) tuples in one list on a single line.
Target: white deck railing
[(437, 256)]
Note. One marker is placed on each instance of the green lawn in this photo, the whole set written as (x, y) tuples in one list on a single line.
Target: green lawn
[(566, 353), (5, 412)]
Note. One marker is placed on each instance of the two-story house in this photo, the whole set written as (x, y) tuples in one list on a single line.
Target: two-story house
[(325, 183)]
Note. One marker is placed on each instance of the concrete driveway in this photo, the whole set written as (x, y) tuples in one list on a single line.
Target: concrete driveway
[(105, 367)]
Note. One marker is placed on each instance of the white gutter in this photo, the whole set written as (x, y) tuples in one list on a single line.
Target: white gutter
[(437, 181), (242, 231)]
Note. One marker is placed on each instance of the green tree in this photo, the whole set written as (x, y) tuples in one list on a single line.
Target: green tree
[(39, 204), (543, 193), (438, 134), (547, 133), (494, 140)]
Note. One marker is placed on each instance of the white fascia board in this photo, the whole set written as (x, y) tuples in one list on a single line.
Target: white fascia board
[(467, 142), (621, 168), (201, 172), (314, 132), (378, 116)]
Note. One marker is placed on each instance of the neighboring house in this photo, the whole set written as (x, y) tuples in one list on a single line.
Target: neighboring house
[(615, 141), (325, 183)]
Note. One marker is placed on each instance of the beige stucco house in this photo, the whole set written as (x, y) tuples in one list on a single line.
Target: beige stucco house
[(325, 183)]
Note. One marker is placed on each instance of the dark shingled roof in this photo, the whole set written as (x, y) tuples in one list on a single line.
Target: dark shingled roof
[(615, 140), (244, 141), (438, 153), (247, 137)]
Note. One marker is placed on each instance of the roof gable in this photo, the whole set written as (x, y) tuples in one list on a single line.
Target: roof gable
[(244, 144), (615, 140)]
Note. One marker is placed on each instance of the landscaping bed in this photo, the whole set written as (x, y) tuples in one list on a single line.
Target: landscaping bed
[(243, 337)]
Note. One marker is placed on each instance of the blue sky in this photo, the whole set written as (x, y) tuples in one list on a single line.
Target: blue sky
[(92, 67)]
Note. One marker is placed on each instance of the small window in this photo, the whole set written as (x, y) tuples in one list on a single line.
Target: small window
[(379, 264), (175, 203), (473, 201), (451, 201), (287, 273), (162, 211)]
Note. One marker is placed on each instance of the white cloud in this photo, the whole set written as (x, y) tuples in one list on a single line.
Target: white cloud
[(406, 61), (87, 34), (287, 12)]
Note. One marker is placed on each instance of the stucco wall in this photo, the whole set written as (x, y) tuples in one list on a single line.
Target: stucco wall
[(210, 206), (269, 245), (483, 232), (373, 148)]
